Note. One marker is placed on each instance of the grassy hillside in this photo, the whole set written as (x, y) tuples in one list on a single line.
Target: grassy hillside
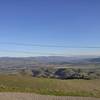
[(50, 86)]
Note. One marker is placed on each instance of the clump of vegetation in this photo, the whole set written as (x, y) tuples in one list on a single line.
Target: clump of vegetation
[(65, 73)]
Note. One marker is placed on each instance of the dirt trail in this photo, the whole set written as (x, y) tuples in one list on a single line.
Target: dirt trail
[(29, 96)]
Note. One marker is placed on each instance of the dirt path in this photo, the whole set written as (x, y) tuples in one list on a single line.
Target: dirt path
[(29, 96)]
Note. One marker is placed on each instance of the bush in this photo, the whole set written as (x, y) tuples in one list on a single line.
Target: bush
[(64, 73)]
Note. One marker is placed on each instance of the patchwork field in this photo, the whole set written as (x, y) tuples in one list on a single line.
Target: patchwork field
[(44, 86)]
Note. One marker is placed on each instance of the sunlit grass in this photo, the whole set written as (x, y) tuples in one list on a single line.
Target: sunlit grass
[(50, 86)]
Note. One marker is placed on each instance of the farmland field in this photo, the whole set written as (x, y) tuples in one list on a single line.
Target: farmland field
[(44, 86)]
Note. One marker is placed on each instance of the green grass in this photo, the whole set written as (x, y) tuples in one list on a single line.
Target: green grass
[(50, 86)]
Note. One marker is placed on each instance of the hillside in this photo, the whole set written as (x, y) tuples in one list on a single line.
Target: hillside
[(44, 86)]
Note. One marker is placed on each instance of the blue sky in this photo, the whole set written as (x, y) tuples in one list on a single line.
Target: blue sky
[(49, 22)]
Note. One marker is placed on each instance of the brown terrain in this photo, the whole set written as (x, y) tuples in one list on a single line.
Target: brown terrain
[(30, 96)]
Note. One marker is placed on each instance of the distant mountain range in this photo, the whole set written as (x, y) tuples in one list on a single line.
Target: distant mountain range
[(95, 60), (47, 59), (31, 62)]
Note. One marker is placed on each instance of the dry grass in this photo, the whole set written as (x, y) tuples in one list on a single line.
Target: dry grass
[(90, 88)]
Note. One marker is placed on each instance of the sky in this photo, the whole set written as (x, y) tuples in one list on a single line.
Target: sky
[(68, 23)]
